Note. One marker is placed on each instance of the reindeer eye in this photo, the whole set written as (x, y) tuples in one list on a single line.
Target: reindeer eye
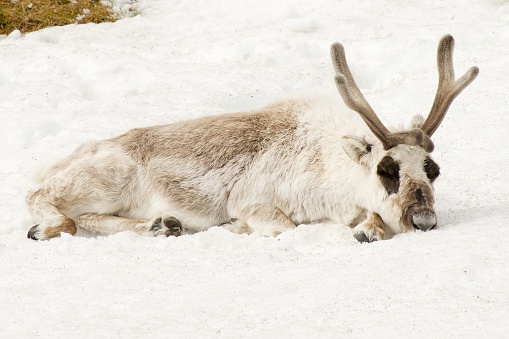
[(431, 168), (368, 148), (388, 172)]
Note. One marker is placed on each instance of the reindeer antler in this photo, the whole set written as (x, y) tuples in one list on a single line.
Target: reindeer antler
[(354, 99), (448, 87)]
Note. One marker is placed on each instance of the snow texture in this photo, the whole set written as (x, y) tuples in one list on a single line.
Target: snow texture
[(63, 86)]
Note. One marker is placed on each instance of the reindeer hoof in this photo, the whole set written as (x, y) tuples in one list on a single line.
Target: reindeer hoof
[(367, 232), (169, 226), (32, 233), (362, 237), (174, 226), (44, 232)]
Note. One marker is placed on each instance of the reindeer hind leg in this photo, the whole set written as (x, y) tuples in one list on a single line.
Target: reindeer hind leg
[(54, 221), (165, 224)]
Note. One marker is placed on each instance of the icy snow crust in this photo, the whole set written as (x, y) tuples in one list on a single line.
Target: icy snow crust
[(179, 60)]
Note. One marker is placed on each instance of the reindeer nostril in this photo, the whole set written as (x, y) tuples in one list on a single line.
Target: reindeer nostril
[(419, 196)]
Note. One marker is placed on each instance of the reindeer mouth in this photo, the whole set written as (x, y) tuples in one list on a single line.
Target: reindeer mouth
[(423, 219), (418, 228)]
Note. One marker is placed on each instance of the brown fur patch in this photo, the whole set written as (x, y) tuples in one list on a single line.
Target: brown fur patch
[(376, 225), (66, 226), (213, 140), (388, 172)]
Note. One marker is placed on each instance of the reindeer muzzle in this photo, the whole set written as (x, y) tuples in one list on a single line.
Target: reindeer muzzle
[(423, 219)]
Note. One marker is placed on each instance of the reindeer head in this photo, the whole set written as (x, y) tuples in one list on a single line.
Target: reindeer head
[(403, 165)]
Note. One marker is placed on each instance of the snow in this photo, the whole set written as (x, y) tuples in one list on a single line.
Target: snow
[(63, 86)]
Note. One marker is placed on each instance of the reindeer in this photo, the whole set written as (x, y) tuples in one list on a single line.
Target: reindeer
[(300, 160)]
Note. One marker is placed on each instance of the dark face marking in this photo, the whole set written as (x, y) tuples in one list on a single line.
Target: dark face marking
[(431, 168), (420, 197), (388, 172)]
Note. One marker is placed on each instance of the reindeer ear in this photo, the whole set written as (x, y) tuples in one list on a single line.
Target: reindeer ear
[(357, 148), (417, 121)]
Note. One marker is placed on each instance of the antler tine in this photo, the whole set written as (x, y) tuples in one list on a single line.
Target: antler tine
[(354, 99), (448, 88)]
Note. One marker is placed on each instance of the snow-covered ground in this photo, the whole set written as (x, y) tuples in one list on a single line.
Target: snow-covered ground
[(178, 60)]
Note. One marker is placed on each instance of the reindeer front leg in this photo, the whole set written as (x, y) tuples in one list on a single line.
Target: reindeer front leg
[(371, 229), (267, 220)]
